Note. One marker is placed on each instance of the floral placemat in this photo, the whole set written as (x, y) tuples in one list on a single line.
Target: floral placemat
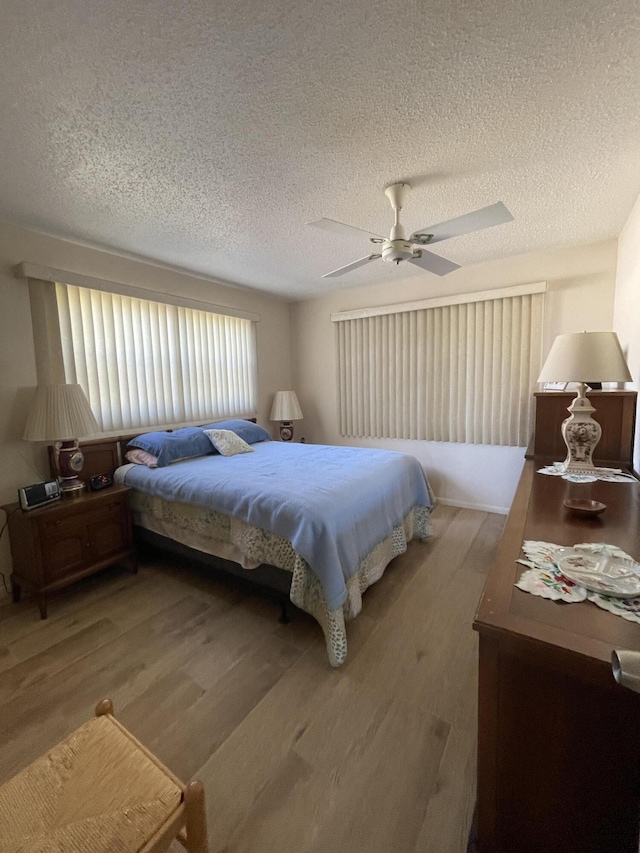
[(544, 578), (609, 475)]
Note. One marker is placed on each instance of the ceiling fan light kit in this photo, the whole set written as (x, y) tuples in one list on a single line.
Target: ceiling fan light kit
[(398, 247)]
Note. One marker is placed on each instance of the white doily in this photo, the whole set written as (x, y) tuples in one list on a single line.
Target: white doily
[(609, 475), (544, 578)]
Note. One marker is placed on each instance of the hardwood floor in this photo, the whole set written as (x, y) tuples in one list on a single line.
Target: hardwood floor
[(376, 756)]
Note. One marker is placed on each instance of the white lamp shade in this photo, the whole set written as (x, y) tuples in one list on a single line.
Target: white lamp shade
[(60, 413), (586, 357), (285, 407)]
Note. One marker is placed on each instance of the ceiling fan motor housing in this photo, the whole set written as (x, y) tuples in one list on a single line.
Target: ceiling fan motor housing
[(395, 251)]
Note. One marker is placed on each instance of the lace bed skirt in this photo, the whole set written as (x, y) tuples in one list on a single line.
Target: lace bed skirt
[(222, 536)]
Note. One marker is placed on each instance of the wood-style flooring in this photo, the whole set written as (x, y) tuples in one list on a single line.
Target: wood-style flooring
[(377, 756)]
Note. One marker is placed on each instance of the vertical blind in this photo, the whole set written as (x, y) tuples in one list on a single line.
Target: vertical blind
[(144, 363), (460, 373)]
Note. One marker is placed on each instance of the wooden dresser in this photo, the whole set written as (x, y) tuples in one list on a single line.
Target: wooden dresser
[(558, 739)]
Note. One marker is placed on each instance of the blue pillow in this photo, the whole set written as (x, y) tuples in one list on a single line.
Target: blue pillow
[(247, 430), (168, 446)]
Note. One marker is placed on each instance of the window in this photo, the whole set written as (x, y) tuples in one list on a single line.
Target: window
[(461, 369), (144, 363)]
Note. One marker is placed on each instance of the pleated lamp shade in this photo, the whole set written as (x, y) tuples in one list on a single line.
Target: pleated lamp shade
[(286, 407), (586, 357), (60, 413)]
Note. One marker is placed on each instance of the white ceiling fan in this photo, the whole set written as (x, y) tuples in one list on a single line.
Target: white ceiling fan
[(398, 248)]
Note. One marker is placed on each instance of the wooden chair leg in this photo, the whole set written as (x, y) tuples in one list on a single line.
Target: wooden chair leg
[(196, 841), (104, 707)]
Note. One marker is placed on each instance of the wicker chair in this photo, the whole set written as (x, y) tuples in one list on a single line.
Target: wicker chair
[(100, 791)]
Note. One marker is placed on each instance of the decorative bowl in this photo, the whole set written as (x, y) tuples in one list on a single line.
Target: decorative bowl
[(612, 576), (585, 507)]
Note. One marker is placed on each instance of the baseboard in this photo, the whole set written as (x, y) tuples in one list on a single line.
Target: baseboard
[(500, 510)]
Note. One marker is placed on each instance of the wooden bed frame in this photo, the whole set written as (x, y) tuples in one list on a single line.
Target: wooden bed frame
[(104, 455)]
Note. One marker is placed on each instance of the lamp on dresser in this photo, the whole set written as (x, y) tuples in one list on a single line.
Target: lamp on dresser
[(60, 414), (286, 409), (584, 357)]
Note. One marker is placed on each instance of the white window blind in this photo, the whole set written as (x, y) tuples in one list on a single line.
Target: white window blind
[(144, 363), (460, 372)]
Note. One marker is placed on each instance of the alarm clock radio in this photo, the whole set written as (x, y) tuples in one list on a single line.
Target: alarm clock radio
[(40, 493)]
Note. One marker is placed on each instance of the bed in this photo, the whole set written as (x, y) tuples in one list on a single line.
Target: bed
[(331, 518)]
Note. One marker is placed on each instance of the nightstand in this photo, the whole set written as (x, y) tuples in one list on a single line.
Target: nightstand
[(55, 545)]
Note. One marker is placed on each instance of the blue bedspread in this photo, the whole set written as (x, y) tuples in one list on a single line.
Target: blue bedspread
[(334, 504)]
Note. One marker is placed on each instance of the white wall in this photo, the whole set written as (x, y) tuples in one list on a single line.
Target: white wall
[(581, 283), (22, 462), (626, 315)]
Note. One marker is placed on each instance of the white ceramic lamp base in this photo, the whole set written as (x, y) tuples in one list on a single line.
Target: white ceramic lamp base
[(581, 434)]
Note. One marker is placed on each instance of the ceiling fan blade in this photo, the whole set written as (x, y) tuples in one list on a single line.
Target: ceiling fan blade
[(486, 217), (341, 228), (433, 263), (353, 266)]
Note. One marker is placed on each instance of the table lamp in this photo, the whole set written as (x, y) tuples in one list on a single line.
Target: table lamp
[(286, 409), (584, 357), (61, 413)]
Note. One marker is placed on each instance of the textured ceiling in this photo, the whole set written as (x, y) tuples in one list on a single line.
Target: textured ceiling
[(204, 135)]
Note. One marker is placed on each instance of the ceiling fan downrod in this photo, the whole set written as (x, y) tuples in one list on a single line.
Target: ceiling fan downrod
[(397, 248)]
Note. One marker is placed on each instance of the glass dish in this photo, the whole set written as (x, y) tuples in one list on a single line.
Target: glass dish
[(601, 573)]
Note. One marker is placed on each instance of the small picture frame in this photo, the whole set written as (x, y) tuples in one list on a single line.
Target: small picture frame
[(555, 386)]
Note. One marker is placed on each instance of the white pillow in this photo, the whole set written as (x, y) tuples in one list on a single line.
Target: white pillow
[(141, 457), (227, 443)]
